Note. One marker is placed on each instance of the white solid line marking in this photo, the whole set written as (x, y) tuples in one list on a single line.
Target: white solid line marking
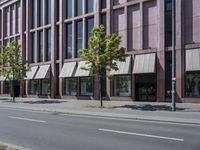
[(140, 134), (26, 119), (133, 120)]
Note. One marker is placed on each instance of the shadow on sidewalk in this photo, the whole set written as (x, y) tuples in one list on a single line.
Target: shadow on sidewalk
[(149, 107), (44, 102)]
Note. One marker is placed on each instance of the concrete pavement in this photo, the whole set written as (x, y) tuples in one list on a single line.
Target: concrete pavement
[(186, 113)]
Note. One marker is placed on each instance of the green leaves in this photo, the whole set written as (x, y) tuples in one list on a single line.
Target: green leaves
[(103, 52), (11, 64)]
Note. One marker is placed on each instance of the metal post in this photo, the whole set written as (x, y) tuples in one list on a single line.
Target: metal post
[(173, 58)]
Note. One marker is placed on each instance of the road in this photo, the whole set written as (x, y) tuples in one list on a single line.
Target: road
[(53, 131)]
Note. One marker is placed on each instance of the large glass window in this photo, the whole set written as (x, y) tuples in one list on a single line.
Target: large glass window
[(168, 22), (122, 86), (34, 87), (34, 13), (48, 44), (103, 21), (34, 48), (45, 87), (70, 86), (79, 37), (41, 12), (6, 87), (89, 6), (86, 86), (69, 9), (79, 7), (69, 41), (41, 46), (168, 75), (192, 84), (90, 25), (48, 11)]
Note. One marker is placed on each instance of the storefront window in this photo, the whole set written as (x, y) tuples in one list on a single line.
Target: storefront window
[(70, 86), (45, 87), (6, 87), (34, 88), (86, 86), (192, 84), (122, 86)]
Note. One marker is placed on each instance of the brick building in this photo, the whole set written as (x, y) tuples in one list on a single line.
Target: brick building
[(51, 33)]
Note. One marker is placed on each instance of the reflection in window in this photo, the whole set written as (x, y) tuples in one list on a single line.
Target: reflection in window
[(34, 49), (86, 86), (90, 6), (69, 8), (79, 7), (90, 25), (79, 37), (48, 44), (41, 14), (69, 41), (48, 11), (41, 47), (34, 87), (192, 84), (34, 13), (122, 86), (103, 21), (70, 86), (45, 87)]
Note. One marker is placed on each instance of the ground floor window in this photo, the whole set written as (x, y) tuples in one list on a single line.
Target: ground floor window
[(122, 85), (70, 86), (34, 87), (192, 84), (86, 86), (7, 87), (40, 87)]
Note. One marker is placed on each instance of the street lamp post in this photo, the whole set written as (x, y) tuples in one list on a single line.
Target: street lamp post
[(173, 58)]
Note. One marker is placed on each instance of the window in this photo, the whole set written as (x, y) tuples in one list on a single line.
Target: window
[(34, 87), (168, 75), (122, 86), (79, 37), (41, 14), (86, 86), (48, 11), (34, 13), (34, 48), (7, 22), (103, 21), (6, 87), (192, 84), (79, 7), (45, 87), (48, 45), (41, 46), (103, 4), (69, 9), (69, 41), (168, 22), (89, 6), (70, 86), (90, 25), (18, 19)]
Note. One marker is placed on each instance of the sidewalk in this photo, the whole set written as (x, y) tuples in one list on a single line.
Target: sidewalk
[(186, 113)]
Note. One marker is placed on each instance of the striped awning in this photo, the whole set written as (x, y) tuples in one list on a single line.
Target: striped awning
[(30, 74), (123, 67), (68, 70), (192, 60), (80, 72), (144, 63), (43, 72)]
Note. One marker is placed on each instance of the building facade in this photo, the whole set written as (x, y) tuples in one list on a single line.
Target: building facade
[(52, 32)]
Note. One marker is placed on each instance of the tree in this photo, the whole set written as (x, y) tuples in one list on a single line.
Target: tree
[(12, 66), (102, 53)]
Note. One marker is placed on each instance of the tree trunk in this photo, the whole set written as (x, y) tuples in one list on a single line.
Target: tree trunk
[(13, 91), (100, 94)]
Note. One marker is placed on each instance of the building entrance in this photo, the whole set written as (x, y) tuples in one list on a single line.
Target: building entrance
[(145, 88)]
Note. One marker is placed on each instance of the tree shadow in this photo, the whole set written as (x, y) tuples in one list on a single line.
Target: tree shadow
[(44, 102), (148, 107)]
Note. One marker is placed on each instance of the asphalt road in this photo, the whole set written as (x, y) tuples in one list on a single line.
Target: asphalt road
[(52, 131)]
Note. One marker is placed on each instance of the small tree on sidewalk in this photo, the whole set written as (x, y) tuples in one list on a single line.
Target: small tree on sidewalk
[(11, 65), (102, 53)]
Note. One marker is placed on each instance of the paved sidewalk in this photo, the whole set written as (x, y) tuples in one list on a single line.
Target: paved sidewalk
[(186, 113)]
